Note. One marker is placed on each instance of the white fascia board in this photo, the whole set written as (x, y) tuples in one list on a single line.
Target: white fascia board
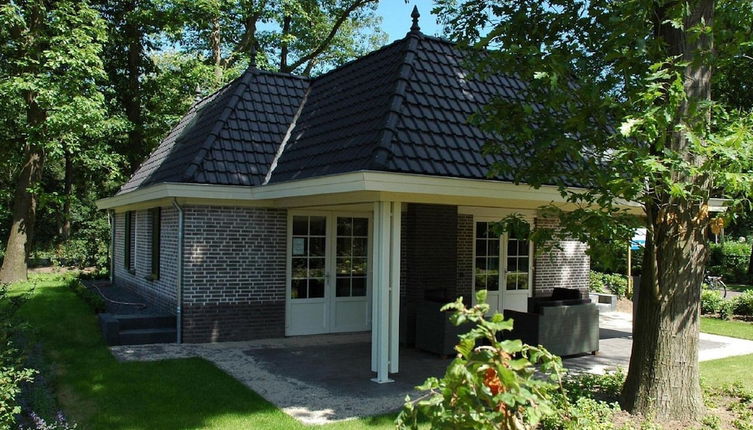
[(397, 183)]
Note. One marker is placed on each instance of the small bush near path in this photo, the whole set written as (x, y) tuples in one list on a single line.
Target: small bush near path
[(729, 260), (713, 304), (608, 283)]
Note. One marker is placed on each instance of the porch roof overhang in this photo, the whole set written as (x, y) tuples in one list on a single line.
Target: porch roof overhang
[(347, 188)]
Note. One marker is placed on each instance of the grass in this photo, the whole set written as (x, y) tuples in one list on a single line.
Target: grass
[(739, 287), (98, 392), (730, 370), (738, 329)]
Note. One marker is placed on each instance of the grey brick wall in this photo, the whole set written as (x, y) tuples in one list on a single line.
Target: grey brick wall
[(235, 273), (160, 292), (566, 267)]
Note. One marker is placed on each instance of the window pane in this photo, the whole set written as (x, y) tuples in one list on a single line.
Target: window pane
[(511, 281), (523, 264), (494, 247), (359, 267), (480, 281), (316, 288), (300, 225), (492, 283), (360, 247), (359, 287), (360, 227), (344, 226), (344, 246), (317, 246), (512, 247), (299, 246), (522, 247), (512, 264), (480, 264), (492, 264), (316, 268), (523, 281), (299, 268), (343, 287), (480, 247), (343, 266), (298, 289), (482, 229), (318, 225)]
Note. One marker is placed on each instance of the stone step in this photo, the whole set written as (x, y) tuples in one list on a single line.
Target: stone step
[(144, 321), (147, 336)]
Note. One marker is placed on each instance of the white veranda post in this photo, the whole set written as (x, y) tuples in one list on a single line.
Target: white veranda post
[(385, 321)]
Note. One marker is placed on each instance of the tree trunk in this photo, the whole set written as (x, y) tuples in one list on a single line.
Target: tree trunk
[(65, 216), (132, 99), (25, 203), (662, 380), (284, 45), (215, 42)]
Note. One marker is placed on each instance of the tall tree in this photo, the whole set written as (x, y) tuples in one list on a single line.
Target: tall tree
[(618, 102), (50, 64)]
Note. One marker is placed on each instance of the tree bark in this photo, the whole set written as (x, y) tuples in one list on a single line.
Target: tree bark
[(132, 99), (65, 216), (25, 202), (662, 380), (215, 42)]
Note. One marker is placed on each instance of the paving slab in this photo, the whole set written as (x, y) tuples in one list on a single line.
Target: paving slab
[(321, 379)]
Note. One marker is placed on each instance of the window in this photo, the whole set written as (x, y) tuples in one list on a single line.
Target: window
[(518, 250), (309, 244), (352, 256), (487, 258), (156, 217), (129, 236)]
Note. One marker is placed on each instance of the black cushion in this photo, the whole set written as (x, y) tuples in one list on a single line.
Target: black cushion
[(566, 294)]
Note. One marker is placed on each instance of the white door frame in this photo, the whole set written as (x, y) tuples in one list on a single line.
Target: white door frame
[(329, 301), (495, 215)]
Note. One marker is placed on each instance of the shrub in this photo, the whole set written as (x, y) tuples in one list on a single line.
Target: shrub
[(743, 304), (727, 309), (491, 383), (94, 300), (582, 414), (12, 372), (711, 302), (730, 261), (608, 283)]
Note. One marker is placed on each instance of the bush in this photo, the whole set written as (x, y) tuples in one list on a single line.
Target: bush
[(12, 372), (491, 383), (608, 283), (730, 261), (743, 304), (727, 309), (94, 300), (711, 302)]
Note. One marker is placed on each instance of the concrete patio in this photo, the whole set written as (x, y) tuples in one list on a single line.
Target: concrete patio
[(320, 379)]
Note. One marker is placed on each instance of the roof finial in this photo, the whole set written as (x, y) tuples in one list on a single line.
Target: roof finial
[(415, 15)]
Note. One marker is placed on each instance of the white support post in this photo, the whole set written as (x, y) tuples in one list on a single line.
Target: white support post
[(375, 282), (395, 287), (380, 319)]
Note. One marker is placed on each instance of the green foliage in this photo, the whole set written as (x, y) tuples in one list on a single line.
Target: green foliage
[(94, 300), (12, 371), (606, 283), (711, 301), (730, 261), (726, 309), (492, 384), (583, 414), (743, 304)]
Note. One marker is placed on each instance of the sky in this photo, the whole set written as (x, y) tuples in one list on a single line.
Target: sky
[(396, 20)]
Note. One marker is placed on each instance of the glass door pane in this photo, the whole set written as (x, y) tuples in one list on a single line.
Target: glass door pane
[(309, 243), (351, 256)]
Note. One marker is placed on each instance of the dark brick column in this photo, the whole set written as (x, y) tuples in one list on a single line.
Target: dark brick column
[(430, 257)]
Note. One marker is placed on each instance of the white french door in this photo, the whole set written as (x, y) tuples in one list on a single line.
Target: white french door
[(502, 266), (328, 282)]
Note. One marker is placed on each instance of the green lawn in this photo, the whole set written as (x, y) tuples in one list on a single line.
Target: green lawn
[(99, 392), (732, 369), (739, 329)]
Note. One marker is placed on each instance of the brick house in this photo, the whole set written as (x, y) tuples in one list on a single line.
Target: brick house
[(283, 205)]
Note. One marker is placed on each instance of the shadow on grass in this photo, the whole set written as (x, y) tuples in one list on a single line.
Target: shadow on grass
[(101, 393)]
